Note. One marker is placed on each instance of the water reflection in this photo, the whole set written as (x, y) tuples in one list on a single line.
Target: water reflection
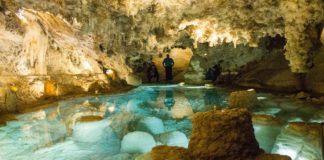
[(57, 133), (169, 100)]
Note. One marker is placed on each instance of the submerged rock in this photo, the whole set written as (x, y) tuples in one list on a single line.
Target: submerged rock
[(299, 140), (226, 135), (88, 132), (137, 142), (266, 130), (120, 122), (152, 125), (121, 156), (175, 138), (182, 108)]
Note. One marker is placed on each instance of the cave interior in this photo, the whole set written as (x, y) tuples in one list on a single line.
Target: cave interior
[(89, 79)]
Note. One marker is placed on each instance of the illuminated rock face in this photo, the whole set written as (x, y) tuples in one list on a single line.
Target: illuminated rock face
[(51, 59), (299, 141), (227, 135)]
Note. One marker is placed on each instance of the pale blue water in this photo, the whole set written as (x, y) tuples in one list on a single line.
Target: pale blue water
[(55, 133)]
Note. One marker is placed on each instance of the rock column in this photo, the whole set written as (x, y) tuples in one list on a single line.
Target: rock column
[(226, 135)]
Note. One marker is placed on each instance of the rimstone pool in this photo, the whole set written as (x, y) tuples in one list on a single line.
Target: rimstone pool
[(124, 126)]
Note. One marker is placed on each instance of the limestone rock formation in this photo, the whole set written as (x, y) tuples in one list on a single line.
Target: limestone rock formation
[(50, 49), (152, 125), (228, 135), (137, 142), (246, 99), (314, 78), (151, 26), (195, 73), (299, 141), (170, 153), (272, 73), (266, 130), (175, 138)]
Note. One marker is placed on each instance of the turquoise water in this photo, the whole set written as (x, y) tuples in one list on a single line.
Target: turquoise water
[(136, 121)]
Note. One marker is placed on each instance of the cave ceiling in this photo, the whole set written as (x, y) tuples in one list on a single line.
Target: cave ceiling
[(151, 26)]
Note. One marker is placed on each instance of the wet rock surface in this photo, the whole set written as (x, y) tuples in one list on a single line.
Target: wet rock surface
[(300, 141), (137, 142)]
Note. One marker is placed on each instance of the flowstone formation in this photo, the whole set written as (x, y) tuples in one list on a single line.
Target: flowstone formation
[(50, 59)]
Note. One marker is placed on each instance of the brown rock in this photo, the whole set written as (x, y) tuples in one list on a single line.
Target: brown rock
[(170, 153), (226, 135), (266, 119), (90, 118), (243, 99)]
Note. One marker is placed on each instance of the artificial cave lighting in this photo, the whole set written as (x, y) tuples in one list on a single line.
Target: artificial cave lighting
[(150, 79), (86, 65), (110, 72)]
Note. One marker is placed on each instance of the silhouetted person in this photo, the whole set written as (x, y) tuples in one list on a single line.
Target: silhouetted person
[(213, 73), (152, 73), (168, 64)]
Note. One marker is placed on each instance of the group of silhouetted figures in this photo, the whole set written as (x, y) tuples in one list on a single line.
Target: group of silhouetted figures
[(153, 75)]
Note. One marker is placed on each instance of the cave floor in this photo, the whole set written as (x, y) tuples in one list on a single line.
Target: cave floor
[(93, 127)]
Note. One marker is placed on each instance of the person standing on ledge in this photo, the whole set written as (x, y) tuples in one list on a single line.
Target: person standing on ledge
[(168, 64)]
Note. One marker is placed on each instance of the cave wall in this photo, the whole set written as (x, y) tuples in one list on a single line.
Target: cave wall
[(230, 58), (50, 59)]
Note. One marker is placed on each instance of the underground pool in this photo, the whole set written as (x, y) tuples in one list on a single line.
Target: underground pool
[(124, 126)]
